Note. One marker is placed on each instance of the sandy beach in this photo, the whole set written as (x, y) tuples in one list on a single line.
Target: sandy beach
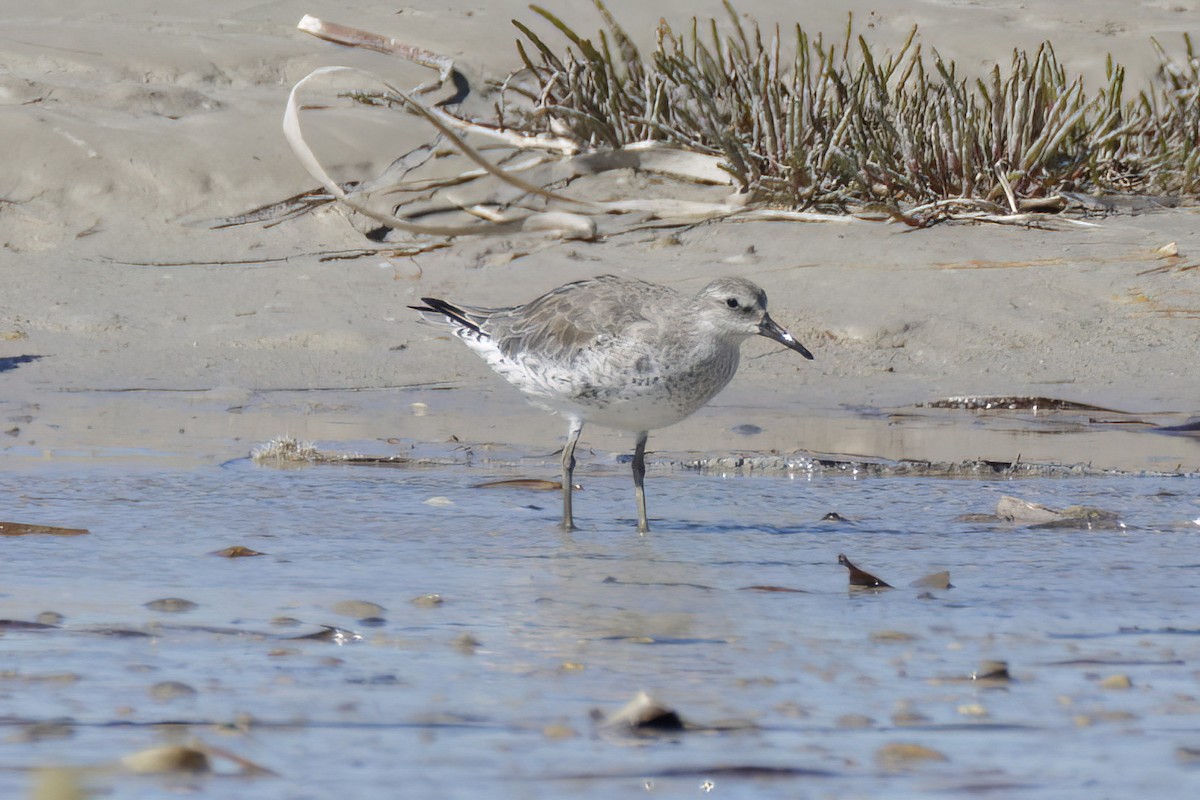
[(126, 328)]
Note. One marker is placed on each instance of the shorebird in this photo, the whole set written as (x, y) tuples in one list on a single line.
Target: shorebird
[(618, 352)]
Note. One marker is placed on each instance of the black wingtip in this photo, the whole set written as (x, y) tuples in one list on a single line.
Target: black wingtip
[(448, 310), (429, 305)]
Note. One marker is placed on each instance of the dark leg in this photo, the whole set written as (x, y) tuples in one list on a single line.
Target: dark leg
[(568, 472), (639, 479)]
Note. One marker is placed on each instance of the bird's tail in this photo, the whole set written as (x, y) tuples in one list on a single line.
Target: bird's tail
[(439, 312)]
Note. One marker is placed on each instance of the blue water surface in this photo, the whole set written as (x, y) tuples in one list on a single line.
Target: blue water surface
[(488, 693)]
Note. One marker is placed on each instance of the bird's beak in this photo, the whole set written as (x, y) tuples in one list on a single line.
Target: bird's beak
[(770, 329)]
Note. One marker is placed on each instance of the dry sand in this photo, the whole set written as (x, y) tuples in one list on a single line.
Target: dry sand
[(124, 122)]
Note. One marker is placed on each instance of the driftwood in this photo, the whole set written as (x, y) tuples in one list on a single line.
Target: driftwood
[(523, 160)]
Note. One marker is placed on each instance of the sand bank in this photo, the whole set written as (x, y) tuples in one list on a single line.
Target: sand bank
[(126, 329)]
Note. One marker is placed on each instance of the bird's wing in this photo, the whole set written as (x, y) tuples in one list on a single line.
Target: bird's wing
[(581, 316)]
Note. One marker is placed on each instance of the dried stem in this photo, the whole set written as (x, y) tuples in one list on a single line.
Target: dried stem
[(826, 125)]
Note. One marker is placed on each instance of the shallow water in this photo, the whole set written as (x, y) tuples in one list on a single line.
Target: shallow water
[(816, 682)]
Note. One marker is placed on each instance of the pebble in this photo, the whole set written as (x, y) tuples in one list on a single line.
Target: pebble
[(165, 691), (165, 759), (855, 721), (466, 643), (358, 609), (427, 601), (237, 551), (1117, 681), (902, 754), (171, 605)]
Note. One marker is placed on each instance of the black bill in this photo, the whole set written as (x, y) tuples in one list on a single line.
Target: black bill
[(770, 329)]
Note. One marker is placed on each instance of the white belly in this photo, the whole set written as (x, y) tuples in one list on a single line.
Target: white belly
[(638, 391)]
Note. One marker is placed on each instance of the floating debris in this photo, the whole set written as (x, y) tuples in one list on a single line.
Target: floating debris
[(1036, 515), (1014, 509), (660, 640), (166, 691), (357, 609), (907, 716), (385, 679), (833, 464), (1118, 682), (116, 633), (679, 584), (976, 710), (798, 462), (1116, 662), (559, 730), (530, 484), (772, 589), (427, 601), (41, 677), (855, 722), (936, 580), (1014, 403), (285, 448), (195, 758), (171, 605), (165, 759), (466, 644), (899, 755), (329, 633), (1188, 755), (23, 625), (237, 551), (45, 730), (1120, 717), (859, 578), (28, 529), (992, 671), (59, 783), (641, 715)]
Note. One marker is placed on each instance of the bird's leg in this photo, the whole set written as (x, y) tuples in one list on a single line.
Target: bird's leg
[(568, 473), (639, 479)]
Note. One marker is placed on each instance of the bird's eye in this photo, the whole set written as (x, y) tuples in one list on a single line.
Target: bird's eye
[(732, 302)]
